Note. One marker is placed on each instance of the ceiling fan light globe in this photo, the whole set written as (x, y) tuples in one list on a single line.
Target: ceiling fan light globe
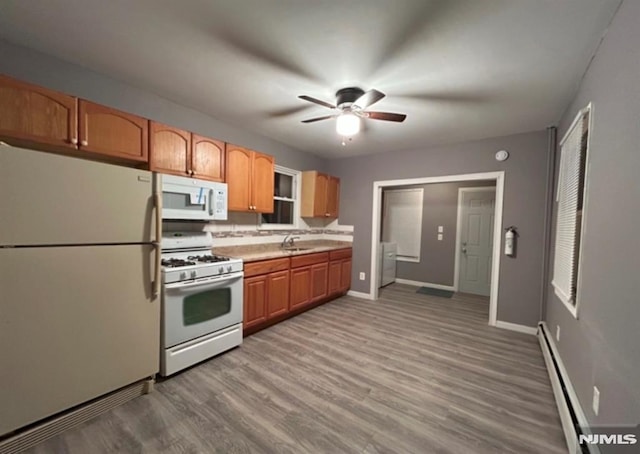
[(347, 125)]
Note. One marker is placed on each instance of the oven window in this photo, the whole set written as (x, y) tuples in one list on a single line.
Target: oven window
[(206, 306)]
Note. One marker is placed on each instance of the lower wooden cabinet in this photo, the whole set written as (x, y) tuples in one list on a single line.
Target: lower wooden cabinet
[(319, 281), (277, 294), (276, 288), (255, 301), (300, 287)]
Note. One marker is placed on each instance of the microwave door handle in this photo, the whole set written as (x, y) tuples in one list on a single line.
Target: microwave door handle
[(210, 202)]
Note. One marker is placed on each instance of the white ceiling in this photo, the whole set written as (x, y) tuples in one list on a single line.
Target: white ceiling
[(460, 69)]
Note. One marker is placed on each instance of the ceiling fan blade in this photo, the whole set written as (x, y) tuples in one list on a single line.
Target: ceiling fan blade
[(369, 98), (313, 120), (387, 116), (317, 101)]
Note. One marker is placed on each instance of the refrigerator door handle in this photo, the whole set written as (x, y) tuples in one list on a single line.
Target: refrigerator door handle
[(157, 198)]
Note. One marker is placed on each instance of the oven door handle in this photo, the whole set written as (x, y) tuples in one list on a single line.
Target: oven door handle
[(203, 282)]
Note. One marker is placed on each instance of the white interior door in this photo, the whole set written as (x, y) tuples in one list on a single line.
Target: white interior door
[(477, 213)]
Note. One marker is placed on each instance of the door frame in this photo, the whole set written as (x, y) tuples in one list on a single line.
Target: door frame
[(497, 228), (461, 191)]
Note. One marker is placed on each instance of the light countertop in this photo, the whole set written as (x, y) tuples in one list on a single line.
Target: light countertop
[(255, 252)]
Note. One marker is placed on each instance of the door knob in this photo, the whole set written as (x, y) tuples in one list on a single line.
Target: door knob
[(464, 250)]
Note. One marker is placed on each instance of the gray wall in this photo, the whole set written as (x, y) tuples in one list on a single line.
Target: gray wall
[(40, 69), (519, 293), (437, 258), (602, 347)]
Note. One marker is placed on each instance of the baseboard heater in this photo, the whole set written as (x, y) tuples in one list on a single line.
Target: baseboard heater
[(38, 432), (571, 416)]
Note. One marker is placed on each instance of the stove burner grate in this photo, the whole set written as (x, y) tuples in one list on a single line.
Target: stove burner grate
[(174, 263)]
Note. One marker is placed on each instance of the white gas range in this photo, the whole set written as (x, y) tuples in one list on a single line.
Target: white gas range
[(202, 297)]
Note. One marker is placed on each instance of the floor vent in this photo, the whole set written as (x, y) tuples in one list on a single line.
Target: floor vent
[(570, 413), (36, 434)]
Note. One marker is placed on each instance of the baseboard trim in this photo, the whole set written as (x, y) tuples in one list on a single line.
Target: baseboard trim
[(28, 438), (366, 296), (563, 388), (425, 284), (515, 327)]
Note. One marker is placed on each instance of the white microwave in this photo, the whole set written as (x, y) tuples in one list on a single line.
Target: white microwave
[(192, 199)]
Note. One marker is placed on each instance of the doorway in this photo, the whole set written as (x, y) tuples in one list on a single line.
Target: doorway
[(498, 177), (474, 240)]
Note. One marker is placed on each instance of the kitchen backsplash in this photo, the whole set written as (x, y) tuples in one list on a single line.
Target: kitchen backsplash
[(244, 228)]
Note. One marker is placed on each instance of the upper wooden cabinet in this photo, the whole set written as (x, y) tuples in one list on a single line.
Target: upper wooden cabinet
[(110, 132), (170, 150), (34, 115), (320, 195), (250, 180), (207, 158)]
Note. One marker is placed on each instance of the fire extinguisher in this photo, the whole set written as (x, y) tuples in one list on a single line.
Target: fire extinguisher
[(510, 241)]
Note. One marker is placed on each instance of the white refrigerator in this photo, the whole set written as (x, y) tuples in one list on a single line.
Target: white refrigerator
[(79, 270)]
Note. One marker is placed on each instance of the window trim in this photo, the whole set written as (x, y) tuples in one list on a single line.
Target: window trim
[(297, 181), (567, 302)]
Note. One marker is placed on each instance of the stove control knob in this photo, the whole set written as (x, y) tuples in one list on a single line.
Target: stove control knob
[(229, 269), (183, 275), (221, 270), (194, 274)]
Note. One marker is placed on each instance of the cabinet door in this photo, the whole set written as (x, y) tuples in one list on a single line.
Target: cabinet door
[(113, 133), (207, 158), (170, 150), (333, 196), (300, 294), (320, 196), (32, 114), (255, 301), (277, 293), (335, 274), (238, 173), (262, 183), (319, 281), (345, 276)]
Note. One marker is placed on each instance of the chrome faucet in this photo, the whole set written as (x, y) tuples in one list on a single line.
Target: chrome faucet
[(289, 240)]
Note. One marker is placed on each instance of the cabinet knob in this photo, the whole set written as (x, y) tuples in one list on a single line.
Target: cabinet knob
[(193, 172), (74, 141), (84, 143)]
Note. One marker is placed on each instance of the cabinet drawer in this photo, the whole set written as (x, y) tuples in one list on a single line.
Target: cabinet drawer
[(309, 259), (265, 266), (340, 254)]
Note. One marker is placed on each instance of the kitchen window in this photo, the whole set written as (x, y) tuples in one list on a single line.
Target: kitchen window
[(286, 211), (570, 197)]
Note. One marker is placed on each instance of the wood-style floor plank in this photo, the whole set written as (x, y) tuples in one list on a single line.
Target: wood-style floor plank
[(409, 373)]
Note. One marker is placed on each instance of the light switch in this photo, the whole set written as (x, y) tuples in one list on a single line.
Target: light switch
[(439, 236), (440, 229)]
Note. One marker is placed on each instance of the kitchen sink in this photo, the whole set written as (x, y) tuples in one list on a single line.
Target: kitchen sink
[(297, 249)]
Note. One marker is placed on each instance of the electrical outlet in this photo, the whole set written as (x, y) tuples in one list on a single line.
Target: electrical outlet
[(596, 400), (440, 229), (363, 276), (557, 333), (439, 236)]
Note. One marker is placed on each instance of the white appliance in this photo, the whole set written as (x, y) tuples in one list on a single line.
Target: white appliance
[(79, 277), (202, 301), (388, 263), (192, 199)]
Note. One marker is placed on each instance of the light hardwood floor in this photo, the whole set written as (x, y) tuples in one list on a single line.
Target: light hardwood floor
[(409, 373)]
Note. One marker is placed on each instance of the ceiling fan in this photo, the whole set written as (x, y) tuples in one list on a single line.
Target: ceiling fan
[(351, 105)]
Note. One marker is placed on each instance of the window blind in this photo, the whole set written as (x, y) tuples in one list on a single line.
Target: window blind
[(568, 193), (402, 221)]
